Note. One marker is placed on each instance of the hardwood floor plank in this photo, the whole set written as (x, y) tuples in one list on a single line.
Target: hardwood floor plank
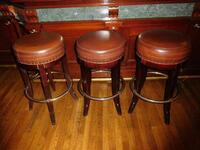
[(103, 128)]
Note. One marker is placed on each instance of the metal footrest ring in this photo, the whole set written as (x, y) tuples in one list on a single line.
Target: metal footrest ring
[(100, 98), (131, 84), (50, 99)]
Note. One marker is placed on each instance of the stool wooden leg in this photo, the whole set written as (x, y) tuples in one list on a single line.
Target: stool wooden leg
[(66, 72), (47, 92), (141, 72), (115, 75), (169, 89), (27, 83), (86, 77), (50, 77)]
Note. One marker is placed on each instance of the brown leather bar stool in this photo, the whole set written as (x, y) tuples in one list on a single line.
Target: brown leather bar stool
[(164, 50), (40, 51), (100, 50)]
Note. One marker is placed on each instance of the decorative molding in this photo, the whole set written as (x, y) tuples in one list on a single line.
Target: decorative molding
[(27, 15), (113, 12), (196, 12), (29, 18), (9, 19), (113, 25), (7, 11), (89, 3)]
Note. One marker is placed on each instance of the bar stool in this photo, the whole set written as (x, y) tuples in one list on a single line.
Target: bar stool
[(100, 50), (164, 50), (38, 52)]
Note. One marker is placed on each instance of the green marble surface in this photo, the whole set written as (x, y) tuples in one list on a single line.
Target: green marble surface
[(73, 14), (101, 12), (156, 10)]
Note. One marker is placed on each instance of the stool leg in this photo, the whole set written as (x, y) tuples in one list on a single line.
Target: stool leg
[(67, 77), (141, 72), (27, 83), (50, 77), (86, 77), (169, 89), (115, 75), (47, 92)]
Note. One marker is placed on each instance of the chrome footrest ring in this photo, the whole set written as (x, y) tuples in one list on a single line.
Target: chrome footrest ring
[(100, 98), (30, 98), (131, 84)]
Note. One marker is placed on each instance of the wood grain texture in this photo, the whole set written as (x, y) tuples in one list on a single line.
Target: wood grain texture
[(7, 35), (102, 129), (81, 3), (193, 65), (196, 12)]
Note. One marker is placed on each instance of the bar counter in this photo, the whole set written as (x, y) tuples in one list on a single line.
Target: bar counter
[(74, 18)]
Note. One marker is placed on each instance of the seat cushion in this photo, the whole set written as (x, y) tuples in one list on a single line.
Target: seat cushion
[(166, 47), (100, 47), (39, 48)]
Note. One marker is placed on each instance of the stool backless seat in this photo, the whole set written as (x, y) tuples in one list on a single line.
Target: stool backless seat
[(100, 50), (40, 51), (163, 50)]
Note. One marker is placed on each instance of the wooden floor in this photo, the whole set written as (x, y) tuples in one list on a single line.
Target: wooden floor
[(102, 129)]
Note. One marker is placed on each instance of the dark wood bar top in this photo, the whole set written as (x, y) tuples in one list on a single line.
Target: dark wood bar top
[(87, 3)]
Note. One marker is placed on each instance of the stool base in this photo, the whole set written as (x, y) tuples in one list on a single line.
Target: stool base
[(141, 73), (86, 82), (46, 79)]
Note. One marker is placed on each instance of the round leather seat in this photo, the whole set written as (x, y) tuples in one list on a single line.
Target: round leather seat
[(100, 47), (39, 48), (100, 50), (164, 47)]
